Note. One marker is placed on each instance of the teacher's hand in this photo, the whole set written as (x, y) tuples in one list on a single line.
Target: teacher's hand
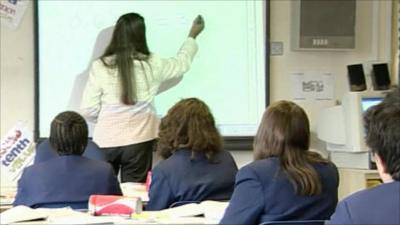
[(197, 26)]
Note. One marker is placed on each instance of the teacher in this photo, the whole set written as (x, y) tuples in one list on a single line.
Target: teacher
[(119, 94)]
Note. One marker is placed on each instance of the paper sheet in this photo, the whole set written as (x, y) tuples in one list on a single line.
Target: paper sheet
[(312, 86)]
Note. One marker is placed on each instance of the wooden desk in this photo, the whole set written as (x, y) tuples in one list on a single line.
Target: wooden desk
[(7, 195), (5, 205), (353, 180)]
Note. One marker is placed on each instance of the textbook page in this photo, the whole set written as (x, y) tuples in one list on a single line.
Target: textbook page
[(213, 210), (210, 209), (132, 189), (87, 219), (191, 209), (20, 214)]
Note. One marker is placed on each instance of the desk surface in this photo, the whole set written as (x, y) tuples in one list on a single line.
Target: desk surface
[(7, 196), (69, 216), (7, 193)]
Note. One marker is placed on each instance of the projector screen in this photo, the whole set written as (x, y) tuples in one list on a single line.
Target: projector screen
[(228, 72)]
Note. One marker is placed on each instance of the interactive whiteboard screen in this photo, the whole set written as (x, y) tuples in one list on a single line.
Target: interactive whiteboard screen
[(228, 73)]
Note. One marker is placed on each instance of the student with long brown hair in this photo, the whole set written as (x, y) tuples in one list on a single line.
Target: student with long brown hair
[(286, 181), (195, 167)]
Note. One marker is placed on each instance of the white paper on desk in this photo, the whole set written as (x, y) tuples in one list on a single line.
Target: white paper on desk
[(312, 86), (20, 214), (132, 189), (212, 210), (182, 220), (191, 209), (82, 220)]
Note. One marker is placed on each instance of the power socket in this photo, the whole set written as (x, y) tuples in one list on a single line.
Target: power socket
[(276, 48)]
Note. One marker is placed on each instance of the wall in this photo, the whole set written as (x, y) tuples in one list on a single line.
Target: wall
[(17, 73), (373, 44)]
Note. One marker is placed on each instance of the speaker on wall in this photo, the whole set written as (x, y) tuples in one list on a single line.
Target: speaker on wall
[(380, 76), (356, 77), (323, 24)]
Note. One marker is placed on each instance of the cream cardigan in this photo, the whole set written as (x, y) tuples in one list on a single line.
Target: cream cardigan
[(118, 124)]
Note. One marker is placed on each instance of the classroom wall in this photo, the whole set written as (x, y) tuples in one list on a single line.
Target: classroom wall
[(373, 44), (17, 73), (373, 40)]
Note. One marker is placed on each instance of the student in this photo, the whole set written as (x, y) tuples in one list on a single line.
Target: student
[(44, 151), (381, 204), (195, 166), (67, 180), (120, 92), (287, 181)]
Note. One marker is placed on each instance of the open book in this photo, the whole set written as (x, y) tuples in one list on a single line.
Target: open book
[(132, 189), (23, 214), (212, 212)]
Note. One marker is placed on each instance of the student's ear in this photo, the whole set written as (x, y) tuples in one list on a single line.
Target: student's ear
[(379, 163), (382, 169)]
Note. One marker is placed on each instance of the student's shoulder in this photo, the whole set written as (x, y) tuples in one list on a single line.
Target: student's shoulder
[(265, 164), (97, 163), (262, 168), (223, 155), (375, 194), (172, 162), (27, 171)]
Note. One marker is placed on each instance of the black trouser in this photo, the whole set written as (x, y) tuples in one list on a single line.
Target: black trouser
[(134, 160)]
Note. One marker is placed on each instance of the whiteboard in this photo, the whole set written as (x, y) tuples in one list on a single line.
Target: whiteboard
[(228, 72)]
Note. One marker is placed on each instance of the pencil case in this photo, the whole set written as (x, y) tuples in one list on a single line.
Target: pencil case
[(100, 205)]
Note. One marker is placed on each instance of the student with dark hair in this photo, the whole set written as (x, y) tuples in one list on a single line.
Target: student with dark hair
[(67, 180), (120, 92), (286, 181), (381, 204), (44, 151), (195, 168)]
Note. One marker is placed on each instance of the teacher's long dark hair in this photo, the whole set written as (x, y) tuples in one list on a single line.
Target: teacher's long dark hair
[(128, 42), (284, 133)]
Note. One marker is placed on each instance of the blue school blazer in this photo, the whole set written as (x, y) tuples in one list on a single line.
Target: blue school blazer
[(378, 205), (180, 178), (264, 193), (63, 179)]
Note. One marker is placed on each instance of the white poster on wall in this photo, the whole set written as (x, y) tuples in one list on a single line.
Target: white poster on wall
[(312, 85), (17, 152), (12, 11)]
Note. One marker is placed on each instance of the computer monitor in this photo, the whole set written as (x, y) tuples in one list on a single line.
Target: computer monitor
[(341, 126), (367, 102)]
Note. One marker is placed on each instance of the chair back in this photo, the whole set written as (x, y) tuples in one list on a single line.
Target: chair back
[(299, 222)]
